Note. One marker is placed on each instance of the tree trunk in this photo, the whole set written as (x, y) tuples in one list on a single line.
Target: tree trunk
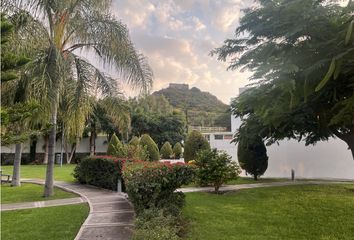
[(16, 176), (348, 138), (93, 140), (255, 177), (33, 149), (49, 179), (46, 145)]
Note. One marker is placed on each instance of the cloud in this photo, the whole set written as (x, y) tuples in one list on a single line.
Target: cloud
[(177, 37)]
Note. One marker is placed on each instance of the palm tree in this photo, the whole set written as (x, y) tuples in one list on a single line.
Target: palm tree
[(69, 26)]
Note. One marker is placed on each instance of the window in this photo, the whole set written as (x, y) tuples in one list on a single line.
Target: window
[(207, 137), (218, 137), (228, 137)]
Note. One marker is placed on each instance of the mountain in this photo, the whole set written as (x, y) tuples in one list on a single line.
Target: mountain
[(203, 108)]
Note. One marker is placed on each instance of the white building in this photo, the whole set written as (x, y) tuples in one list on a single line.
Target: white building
[(330, 159)]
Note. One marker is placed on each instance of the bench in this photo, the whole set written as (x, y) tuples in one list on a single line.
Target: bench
[(8, 176)]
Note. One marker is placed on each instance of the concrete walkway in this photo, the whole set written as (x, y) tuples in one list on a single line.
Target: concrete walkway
[(227, 188), (111, 214), (41, 204)]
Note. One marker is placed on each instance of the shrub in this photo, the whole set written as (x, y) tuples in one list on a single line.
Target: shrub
[(152, 224), (137, 152), (134, 141), (100, 171), (166, 151), (194, 143), (151, 147), (177, 150), (153, 184), (252, 156), (215, 168), (116, 148)]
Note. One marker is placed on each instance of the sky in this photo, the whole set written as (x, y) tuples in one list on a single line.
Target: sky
[(177, 36)]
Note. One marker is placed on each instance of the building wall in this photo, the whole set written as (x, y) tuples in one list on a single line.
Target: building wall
[(330, 159)]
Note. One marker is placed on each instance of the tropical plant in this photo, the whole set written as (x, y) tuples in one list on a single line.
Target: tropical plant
[(194, 143), (177, 150), (153, 151), (301, 56), (63, 28), (166, 151)]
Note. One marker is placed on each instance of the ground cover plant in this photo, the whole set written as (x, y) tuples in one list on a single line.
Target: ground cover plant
[(64, 223), (29, 193), (292, 212)]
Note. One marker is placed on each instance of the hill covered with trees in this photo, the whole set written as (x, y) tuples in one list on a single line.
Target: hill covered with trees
[(202, 108)]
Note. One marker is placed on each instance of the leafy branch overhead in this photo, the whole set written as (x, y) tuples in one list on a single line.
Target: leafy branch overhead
[(301, 55)]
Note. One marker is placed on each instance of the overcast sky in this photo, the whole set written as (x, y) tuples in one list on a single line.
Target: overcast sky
[(177, 36)]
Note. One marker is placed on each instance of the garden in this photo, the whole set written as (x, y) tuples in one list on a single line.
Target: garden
[(154, 177)]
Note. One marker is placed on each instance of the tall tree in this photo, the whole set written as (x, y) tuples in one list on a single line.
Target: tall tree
[(68, 26), (301, 56)]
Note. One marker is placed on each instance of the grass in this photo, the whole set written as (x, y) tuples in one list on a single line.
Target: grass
[(247, 180), (323, 212), (29, 193), (38, 171), (54, 223)]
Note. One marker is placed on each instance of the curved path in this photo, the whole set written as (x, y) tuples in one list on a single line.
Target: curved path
[(111, 214), (227, 188)]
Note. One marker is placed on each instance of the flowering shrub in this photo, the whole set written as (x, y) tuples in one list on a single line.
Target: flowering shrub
[(100, 171), (153, 184)]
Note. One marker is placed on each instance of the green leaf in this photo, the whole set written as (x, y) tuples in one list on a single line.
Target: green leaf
[(349, 32), (328, 76)]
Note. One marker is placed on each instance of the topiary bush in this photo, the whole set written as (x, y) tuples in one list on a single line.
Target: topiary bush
[(151, 147), (252, 156), (194, 143), (177, 150), (116, 148), (215, 168), (100, 171), (137, 152), (134, 141), (166, 151), (153, 184)]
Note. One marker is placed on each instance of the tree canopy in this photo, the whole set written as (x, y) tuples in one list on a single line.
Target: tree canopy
[(301, 55)]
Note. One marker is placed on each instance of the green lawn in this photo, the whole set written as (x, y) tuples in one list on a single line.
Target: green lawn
[(323, 212), (29, 193), (54, 223), (38, 171), (247, 180)]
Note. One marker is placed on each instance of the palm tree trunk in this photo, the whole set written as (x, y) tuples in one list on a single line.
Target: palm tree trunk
[(17, 166), (49, 179), (93, 140), (46, 145)]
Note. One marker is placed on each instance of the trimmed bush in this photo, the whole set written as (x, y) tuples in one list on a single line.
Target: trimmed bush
[(116, 148), (153, 184), (194, 143), (215, 168), (137, 152), (177, 150), (100, 171), (134, 141), (252, 156), (151, 147), (166, 151)]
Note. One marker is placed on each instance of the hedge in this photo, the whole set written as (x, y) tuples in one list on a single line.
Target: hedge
[(153, 184), (100, 171)]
